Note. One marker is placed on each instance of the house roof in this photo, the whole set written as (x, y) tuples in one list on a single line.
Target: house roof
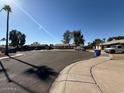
[(39, 45), (65, 45), (114, 42)]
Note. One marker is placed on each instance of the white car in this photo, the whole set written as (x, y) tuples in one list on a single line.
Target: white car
[(115, 49)]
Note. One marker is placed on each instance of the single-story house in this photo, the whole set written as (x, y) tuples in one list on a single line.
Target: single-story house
[(64, 46), (110, 43)]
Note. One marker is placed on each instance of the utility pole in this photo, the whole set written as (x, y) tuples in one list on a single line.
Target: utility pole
[(7, 8)]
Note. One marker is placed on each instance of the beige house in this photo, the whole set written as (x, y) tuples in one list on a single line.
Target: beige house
[(108, 44), (64, 46)]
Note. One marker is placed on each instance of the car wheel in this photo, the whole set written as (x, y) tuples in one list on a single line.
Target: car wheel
[(112, 51)]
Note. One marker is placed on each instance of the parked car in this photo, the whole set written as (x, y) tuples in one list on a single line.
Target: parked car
[(115, 49), (79, 48)]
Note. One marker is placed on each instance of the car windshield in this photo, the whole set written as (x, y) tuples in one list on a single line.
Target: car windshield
[(113, 46)]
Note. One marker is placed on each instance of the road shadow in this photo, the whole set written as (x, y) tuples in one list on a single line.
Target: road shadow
[(23, 87), (4, 71), (42, 72), (1, 70), (14, 82)]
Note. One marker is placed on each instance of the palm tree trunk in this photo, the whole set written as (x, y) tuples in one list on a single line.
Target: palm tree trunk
[(7, 30)]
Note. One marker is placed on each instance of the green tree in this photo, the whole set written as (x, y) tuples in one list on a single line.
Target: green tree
[(115, 38), (7, 8), (3, 39), (94, 43), (78, 38), (22, 39), (104, 40), (66, 37), (16, 38), (97, 42), (90, 45), (13, 38)]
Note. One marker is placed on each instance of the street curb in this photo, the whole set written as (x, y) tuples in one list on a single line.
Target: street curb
[(6, 57), (67, 69)]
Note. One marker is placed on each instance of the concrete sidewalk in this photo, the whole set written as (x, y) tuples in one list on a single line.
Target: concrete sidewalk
[(110, 76), (97, 75)]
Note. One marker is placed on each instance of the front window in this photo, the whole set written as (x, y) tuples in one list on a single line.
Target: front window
[(113, 46), (119, 46)]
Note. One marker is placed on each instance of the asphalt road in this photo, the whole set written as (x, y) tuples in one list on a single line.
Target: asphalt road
[(27, 79)]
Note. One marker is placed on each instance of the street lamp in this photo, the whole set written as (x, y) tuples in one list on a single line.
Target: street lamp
[(7, 8)]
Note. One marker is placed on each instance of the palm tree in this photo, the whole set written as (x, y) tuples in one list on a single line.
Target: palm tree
[(7, 8)]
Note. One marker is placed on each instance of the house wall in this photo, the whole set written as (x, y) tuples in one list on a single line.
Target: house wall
[(107, 46)]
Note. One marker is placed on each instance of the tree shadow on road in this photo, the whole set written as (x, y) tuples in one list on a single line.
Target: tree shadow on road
[(1, 70), (42, 72), (23, 87)]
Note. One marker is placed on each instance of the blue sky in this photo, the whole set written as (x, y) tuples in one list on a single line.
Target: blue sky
[(45, 21)]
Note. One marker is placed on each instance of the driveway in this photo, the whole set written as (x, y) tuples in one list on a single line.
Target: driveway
[(110, 76)]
